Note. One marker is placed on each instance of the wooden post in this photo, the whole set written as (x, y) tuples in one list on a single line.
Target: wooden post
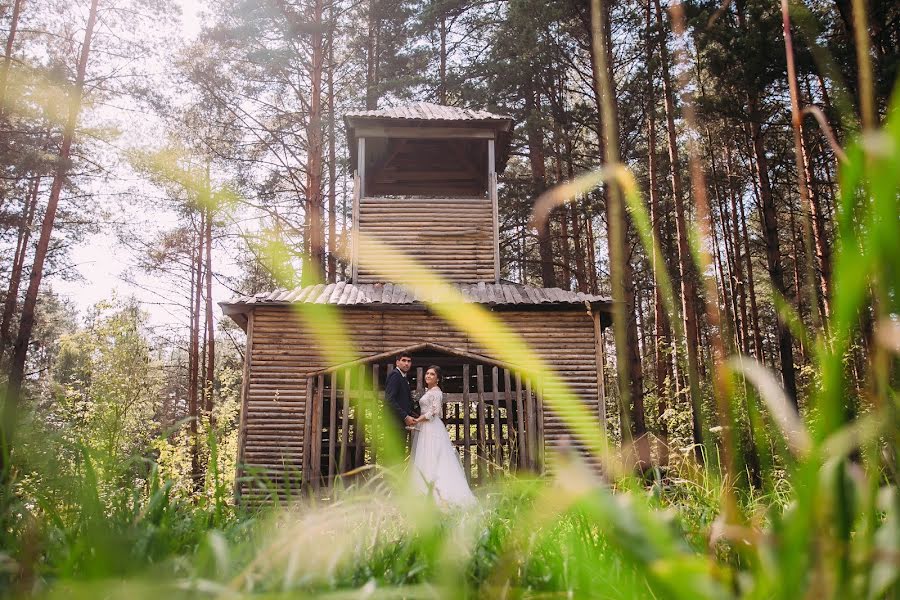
[(245, 400), (359, 192), (601, 361), (492, 192), (520, 421), (467, 452), (531, 425), (332, 427), (510, 419), (498, 432), (315, 434), (307, 423), (539, 410), (359, 414), (345, 422), (376, 421), (480, 425)]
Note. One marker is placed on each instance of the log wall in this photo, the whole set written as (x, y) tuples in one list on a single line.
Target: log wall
[(282, 353), (453, 235)]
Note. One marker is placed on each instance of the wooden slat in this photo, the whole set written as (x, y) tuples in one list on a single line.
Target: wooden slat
[(539, 420), (359, 414), (521, 440), (511, 433), (498, 431), (245, 401), (332, 428), (467, 449), (307, 442), (345, 422), (531, 425), (444, 133), (315, 437), (480, 425), (600, 361), (374, 409)]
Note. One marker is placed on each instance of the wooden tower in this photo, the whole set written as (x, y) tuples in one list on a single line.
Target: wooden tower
[(425, 183)]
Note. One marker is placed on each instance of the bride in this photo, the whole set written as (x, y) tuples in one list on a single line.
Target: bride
[(435, 463)]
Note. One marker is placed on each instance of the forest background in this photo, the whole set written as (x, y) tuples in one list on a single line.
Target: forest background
[(216, 163)]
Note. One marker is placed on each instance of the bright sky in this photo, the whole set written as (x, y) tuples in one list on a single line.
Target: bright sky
[(101, 261)]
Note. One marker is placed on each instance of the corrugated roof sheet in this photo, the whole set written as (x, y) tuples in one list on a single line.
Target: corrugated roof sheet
[(428, 111), (348, 294)]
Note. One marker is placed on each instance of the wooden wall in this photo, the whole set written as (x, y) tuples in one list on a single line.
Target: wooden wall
[(453, 235), (281, 353)]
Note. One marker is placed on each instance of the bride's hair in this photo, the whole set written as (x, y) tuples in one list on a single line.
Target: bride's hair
[(437, 372)]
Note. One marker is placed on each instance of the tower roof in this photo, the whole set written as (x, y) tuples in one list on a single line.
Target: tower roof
[(428, 120)]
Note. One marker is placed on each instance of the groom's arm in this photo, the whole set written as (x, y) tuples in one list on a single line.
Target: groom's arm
[(392, 395)]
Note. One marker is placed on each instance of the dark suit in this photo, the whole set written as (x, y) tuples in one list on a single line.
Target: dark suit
[(398, 396)]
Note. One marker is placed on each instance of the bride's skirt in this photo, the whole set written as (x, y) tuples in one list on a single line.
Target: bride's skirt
[(436, 468)]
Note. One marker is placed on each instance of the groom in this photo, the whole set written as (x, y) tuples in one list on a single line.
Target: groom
[(398, 396)]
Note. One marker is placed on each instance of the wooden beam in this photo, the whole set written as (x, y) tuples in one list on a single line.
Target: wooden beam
[(601, 361), (245, 398), (307, 425), (332, 428), (495, 216), (520, 421), (498, 430), (481, 424), (467, 433), (315, 436), (345, 422), (410, 133), (510, 419)]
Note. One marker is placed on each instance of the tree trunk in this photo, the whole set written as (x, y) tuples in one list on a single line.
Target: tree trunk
[(689, 298), (442, 90), (210, 330), (7, 54), (15, 275), (26, 324), (628, 359), (740, 282), (372, 57), (194, 353), (315, 154), (539, 183), (332, 157), (773, 248)]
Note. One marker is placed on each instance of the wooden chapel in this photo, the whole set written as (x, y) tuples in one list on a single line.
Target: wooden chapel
[(426, 183)]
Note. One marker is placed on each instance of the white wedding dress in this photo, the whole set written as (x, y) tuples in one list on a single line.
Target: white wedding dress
[(435, 464)]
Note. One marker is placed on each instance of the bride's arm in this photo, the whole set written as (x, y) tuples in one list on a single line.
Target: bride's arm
[(433, 406)]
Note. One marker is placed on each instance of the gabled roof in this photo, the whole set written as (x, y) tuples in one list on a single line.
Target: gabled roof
[(426, 111), (418, 348), (389, 294)]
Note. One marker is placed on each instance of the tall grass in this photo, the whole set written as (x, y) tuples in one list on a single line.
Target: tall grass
[(827, 524)]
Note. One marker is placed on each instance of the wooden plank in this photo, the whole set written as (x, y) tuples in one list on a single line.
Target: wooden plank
[(375, 410), (498, 431), (601, 378), (359, 414), (307, 443), (345, 422), (332, 428), (245, 400), (531, 425), (467, 434), (480, 428), (408, 133), (315, 437), (521, 440), (511, 437), (495, 210), (539, 409)]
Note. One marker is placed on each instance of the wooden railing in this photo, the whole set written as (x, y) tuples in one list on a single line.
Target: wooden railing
[(495, 417)]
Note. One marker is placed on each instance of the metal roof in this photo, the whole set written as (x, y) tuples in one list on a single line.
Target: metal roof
[(426, 111), (389, 294)]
